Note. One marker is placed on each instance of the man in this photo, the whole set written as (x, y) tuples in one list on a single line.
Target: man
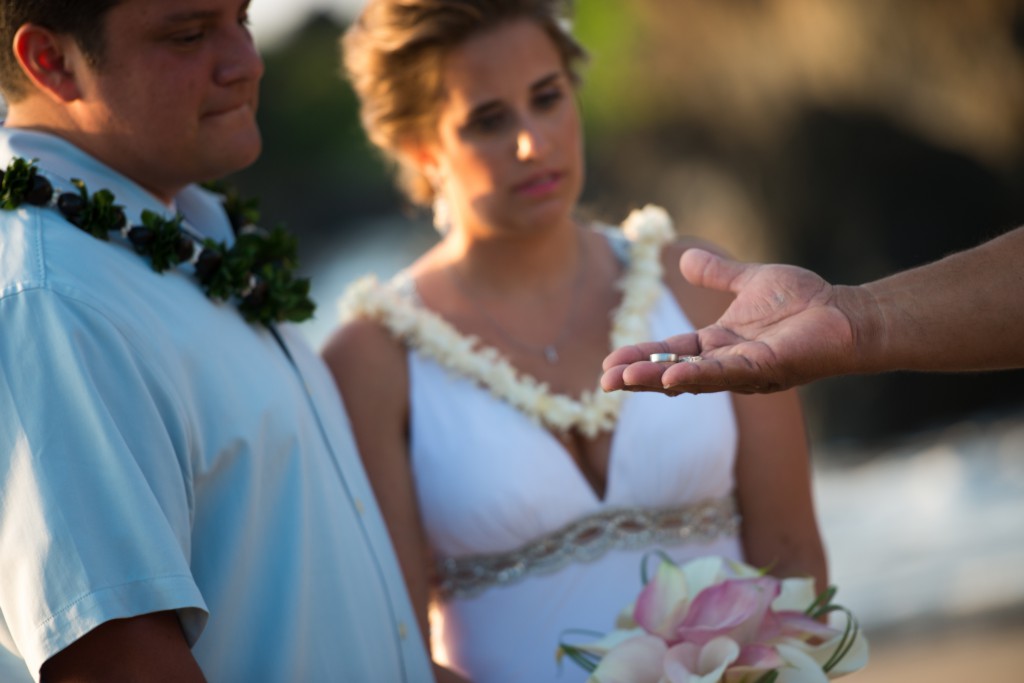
[(787, 326), (180, 496)]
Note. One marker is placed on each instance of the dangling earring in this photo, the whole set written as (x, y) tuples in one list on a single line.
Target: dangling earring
[(442, 211), (442, 214)]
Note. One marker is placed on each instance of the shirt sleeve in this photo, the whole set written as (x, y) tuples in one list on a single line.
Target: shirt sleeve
[(95, 479)]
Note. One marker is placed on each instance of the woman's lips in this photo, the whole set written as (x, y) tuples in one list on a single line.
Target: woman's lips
[(539, 184)]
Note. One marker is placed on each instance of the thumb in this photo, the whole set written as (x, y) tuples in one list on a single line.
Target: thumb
[(704, 269)]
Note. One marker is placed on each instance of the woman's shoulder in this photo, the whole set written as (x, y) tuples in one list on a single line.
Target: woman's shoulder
[(372, 312), (365, 334), (362, 342)]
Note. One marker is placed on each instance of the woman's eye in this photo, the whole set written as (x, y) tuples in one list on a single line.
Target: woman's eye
[(487, 123), (547, 99)]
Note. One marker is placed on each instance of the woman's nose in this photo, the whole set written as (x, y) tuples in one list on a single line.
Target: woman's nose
[(529, 145)]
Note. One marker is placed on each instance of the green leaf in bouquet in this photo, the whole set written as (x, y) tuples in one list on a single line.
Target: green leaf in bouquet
[(585, 659), (822, 604), (644, 576), (845, 643)]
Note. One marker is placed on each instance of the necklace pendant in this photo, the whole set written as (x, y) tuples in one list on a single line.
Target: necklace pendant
[(551, 354)]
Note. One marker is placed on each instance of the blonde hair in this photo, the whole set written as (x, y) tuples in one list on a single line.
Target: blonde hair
[(392, 55)]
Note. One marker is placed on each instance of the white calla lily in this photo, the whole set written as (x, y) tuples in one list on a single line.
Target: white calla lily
[(690, 663), (742, 570), (610, 641), (663, 601), (702, 573), (855, 658), (636, 660), (796, 594), (625, 621), (798, 667)]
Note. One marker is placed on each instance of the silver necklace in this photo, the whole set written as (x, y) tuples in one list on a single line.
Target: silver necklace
[(549, 351)]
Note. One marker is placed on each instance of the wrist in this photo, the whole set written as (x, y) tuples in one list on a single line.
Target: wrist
[(868, 319)]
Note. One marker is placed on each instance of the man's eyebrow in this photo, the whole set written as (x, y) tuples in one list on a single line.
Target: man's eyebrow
[(183, 17), (198, 14)]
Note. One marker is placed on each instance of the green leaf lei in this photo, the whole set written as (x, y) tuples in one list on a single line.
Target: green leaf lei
[(255, 271)]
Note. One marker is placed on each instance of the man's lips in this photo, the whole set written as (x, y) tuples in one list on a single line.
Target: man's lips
[(236, 107)]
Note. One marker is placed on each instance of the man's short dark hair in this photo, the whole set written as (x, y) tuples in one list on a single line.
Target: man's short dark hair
[(80, 19)]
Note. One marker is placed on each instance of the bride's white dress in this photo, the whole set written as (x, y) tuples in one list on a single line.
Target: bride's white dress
[(525, 548)]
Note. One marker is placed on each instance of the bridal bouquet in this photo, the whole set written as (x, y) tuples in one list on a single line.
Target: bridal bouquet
[(718, 621)]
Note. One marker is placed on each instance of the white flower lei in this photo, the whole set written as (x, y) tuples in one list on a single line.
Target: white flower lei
[(648, 229)]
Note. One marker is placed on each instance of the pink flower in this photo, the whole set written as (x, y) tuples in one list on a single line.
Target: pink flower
[(663, 602), (665, 599), (738, 608), (754, 661), (710, 621), (693, 663)]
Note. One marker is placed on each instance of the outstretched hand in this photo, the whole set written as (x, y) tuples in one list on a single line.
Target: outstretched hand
[(785, 327)]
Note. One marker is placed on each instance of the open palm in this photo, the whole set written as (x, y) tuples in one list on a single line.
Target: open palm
[(785, 327)]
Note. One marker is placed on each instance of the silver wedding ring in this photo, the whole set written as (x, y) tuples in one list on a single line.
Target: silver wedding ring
[(673, 358)]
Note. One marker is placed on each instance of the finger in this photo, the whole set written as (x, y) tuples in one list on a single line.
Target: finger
[(704, 269), (682, 344), (644, 375), (726, 373), (612, 380), (708, 374), (633, 354)]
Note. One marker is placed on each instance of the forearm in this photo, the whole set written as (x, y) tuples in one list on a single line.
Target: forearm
[(964, 312), (445, 675), (150, 648), (773, 486)]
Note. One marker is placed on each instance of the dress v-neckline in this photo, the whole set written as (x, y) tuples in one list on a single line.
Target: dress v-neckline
[(600, 498)]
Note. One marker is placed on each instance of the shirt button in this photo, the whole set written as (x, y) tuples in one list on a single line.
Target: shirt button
[(360, 508), (403, 630)]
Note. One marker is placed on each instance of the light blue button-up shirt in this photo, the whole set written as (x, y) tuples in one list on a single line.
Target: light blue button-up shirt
[(158, 453)]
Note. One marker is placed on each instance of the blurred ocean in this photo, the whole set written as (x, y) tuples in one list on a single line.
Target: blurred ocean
[(926, 544), (930, 528)]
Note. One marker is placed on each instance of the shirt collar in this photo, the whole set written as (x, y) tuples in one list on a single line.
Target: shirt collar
[(61, 161)]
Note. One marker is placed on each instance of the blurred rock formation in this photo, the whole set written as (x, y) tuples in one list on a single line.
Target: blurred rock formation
[(854, 137)]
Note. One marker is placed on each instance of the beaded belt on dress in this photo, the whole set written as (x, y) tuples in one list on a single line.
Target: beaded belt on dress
[(586, 540)]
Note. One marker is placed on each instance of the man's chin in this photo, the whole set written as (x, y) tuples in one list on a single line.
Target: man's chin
[(235, 157)]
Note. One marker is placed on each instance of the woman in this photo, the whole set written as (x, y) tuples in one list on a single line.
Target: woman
[(520, 495)]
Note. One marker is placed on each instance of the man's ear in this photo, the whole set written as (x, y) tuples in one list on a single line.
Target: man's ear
[(47, 60)]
